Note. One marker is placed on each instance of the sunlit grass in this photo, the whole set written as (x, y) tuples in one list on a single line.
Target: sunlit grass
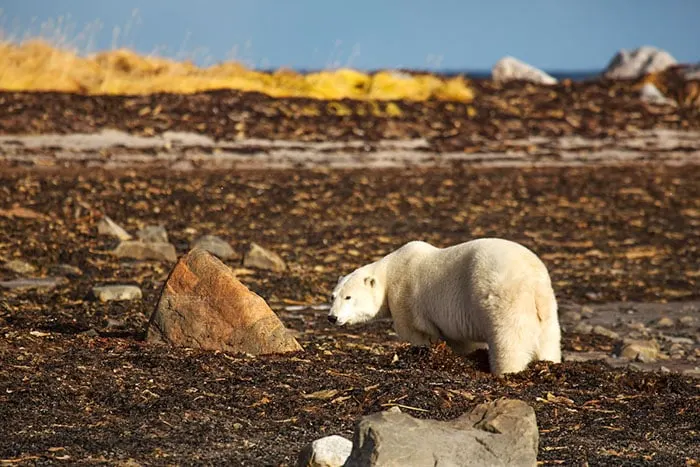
[(37, 65)]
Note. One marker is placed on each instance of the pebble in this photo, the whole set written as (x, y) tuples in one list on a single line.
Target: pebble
[(603, 331), (153, 234), (108, 293), (259, 257), (679, 340), (91, 333), (665, 322), (642, 351), (19, 267), (331, 451), (136, 249), (107, 226), (583, 328), (67, 270), (586, 311), (686, 320), (43, 283), (637, 326), (571, 316), (214, 245)]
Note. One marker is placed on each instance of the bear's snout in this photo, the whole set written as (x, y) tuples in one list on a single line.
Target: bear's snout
[(333, 319)]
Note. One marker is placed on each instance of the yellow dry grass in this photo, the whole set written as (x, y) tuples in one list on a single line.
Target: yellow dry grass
[(38, 66)]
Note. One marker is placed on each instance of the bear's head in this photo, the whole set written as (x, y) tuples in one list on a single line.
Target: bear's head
[(357, 298)]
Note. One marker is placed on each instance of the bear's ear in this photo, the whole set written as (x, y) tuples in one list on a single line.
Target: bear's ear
[(370, 281)]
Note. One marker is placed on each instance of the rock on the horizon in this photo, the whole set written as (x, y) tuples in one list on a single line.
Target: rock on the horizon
[(107, 226), (108, 293), (214, 245), (153, 234), (503, 432), (632, 64), (136, 249), (509, 69), (203, 305), (330, 451), (259, 257)]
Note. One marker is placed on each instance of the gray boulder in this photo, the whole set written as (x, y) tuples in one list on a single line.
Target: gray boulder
[(631, 64), (498, 433)]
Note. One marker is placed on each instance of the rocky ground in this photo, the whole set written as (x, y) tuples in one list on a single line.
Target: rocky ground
[(78, 384)]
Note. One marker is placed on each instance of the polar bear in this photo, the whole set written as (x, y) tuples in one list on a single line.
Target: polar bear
[(486, 291)]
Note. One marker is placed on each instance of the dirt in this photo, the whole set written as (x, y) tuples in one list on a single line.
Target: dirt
[(78, 385)]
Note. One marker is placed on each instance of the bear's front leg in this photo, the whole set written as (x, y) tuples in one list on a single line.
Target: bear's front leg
[(466, 347), (408, 331)]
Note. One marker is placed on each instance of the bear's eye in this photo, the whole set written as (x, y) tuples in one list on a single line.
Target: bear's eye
[(347, 298)]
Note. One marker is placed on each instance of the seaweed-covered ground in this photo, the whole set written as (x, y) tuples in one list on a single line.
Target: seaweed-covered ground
[(78, 384)]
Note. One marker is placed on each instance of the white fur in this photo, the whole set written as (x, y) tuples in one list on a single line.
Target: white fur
[(486, 291)]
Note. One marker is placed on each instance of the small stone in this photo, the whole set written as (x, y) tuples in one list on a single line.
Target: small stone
[(108, 293), (214, 245), (665, 322), (153, 234), (686, 321), (643, 351), (259, 257), (237, 426), (583, 328), (679, 340), (665, 369), (114, 323), (571, 316), (586, 311), (19, 267), (90, 333), (136, 249), (694, 372), (603, 331), (67, 270), (107, 226), (331, 451), (43, 283), (637, 326)]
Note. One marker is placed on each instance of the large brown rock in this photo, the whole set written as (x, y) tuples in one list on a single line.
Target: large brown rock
[(203, 305)]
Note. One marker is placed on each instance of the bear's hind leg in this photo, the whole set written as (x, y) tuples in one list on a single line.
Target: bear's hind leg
[(550, 343), (512, 347)]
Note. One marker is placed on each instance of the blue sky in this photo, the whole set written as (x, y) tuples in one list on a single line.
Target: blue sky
[(368, 34)]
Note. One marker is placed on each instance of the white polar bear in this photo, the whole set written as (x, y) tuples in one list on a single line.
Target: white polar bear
[(488, 290)]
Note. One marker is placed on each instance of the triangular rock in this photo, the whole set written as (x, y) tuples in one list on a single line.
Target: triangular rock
[(203, 305)]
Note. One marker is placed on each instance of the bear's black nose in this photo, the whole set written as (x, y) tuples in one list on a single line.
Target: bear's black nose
[(333, 319)]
